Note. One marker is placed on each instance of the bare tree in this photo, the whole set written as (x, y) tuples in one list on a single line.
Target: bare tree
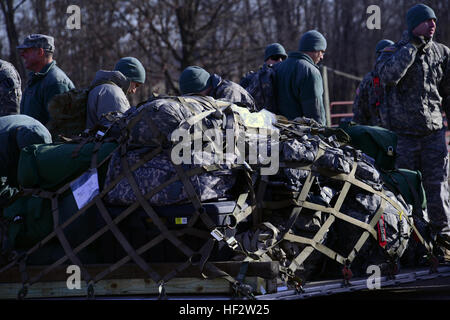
[(9, 9), (40, 9), (227, 37)]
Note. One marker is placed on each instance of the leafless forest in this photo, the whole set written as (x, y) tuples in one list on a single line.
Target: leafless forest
[(227, 37)]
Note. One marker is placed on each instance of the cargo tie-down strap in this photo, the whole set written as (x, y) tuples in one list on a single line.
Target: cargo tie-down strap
[(316, 243), (195, 258), (249, 204)]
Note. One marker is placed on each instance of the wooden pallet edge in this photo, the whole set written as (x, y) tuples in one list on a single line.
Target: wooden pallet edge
[(125, 287)]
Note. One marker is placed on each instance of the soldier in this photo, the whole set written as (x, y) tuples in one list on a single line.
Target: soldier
[(417, 74), (46, 79), (369, 94), (16, 132), (298, 81), (196, 80), (109, 89), (260, 84), (10, 89), (273, 54)]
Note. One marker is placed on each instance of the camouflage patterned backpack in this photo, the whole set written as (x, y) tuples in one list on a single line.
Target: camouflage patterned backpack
[(260, 85)]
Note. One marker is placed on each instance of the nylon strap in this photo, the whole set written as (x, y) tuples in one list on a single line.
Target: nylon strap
[(123, 241)]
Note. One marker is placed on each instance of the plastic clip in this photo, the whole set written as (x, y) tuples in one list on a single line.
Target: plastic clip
[(99, 134), (231, 242)]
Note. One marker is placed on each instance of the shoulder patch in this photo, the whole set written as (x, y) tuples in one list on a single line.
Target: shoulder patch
[(389, 49)]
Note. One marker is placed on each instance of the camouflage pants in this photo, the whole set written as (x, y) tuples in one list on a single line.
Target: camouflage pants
[(429, 155)]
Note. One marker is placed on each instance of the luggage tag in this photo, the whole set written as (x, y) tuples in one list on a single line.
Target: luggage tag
[(85, 188)]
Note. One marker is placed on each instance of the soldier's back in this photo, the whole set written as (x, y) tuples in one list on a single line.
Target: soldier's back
[(10, 89)]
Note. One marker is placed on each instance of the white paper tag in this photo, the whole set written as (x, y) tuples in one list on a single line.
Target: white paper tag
[(85, 188)]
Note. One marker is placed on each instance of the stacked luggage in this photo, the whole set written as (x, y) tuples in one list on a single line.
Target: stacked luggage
[(119, 197)]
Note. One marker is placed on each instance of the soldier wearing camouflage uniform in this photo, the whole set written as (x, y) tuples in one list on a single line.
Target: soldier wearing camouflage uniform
[(260, 84), (196, 80), (369, 94), (417, 74), (10, 89), (46, 79)]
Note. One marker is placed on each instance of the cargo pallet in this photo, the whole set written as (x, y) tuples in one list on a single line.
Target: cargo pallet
[(129, 281)]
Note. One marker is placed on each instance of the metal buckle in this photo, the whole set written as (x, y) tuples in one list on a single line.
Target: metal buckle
[(219, 236)]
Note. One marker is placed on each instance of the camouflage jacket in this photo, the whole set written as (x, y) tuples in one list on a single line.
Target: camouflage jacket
[(368, 98), (260, 85), (231, 91), (10, 89), (418, 86)]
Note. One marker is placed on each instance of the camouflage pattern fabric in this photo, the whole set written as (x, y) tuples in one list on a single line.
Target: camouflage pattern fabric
[(367, 100), (260, 86), (10, 89), (157, 171), (38, 41), (166, 114), (429, 155), (153, 122), (230, 91), (336, 160), (417, 81), (417, 75), (246, 79), (362, 206)]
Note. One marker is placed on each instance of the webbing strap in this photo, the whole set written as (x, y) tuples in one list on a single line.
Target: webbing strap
[(123, 241), (366, 187), (303, 193), (189, 188), (152, 214), (239, 213), (47, 194), (316, 245), (257, 217), (149, 210), (365, 234), (304, 254), (63, 240)]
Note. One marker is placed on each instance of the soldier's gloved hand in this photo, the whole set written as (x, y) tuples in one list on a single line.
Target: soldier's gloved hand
[(418, 41)]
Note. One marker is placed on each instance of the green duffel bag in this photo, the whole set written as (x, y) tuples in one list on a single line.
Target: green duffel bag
[(409, 184), (378, 143), (49, 166), (31, 220)]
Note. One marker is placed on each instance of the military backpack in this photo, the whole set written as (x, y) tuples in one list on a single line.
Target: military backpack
[(260, 86), (68, 112)]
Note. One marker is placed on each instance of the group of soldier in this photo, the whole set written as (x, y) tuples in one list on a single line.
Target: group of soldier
[(407, 92)]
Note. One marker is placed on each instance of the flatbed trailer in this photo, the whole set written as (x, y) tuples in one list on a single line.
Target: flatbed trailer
[(130, 283)]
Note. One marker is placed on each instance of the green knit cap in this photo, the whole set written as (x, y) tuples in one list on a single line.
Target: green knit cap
[(418, 14), (194, 79), (274, 49), (131, 68), (312, 41)]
